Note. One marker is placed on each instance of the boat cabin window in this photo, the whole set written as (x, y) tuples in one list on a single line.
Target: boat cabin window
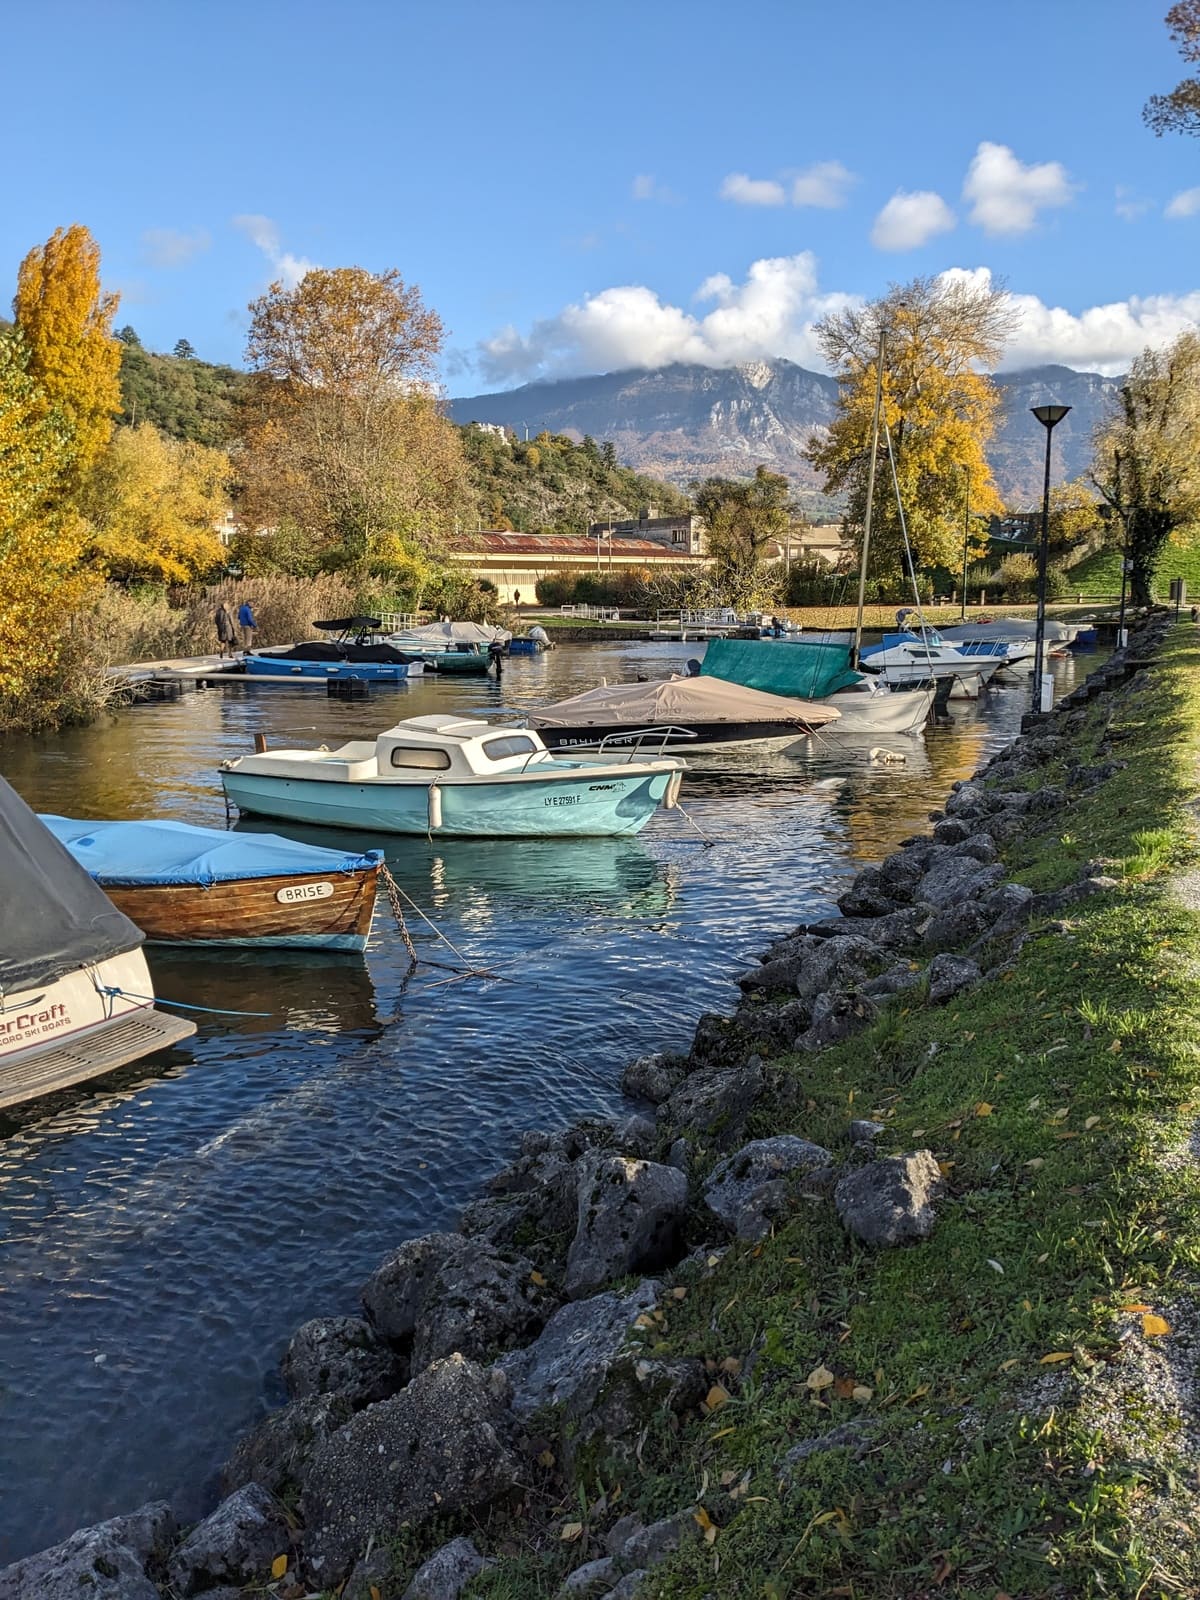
[(429, 760), (512, 744)]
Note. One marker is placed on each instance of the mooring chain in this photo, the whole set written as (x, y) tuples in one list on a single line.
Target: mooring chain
[(392, 890)]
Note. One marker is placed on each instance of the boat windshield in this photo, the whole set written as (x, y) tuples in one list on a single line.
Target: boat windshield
[(511, 744)]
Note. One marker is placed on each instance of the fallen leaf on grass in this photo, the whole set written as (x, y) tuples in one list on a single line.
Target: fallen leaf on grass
[(570, 1531), (1056, 1355), (716, 1397), (1092, 1122), (819, 1378), (995, 1266), (1139, 1308), (862, 1393), (279, 1566), (1013, 1361), (983, 1109), (706, 1523), (1154, 1327), (546, 1459), (536, 1277)]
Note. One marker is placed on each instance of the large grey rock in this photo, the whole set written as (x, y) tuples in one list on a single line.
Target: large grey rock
[(895, 980), (838, 963), (534, 1198), (646, 1547), (836, 1017), (715, 1102), (652, 1077), (979, 847), (864, 1131), (968, 802), (594, 1578), (235, 1545), (276, 1452), (866, 896), (901, 872), (375, 1571), (781, 969), (629, 1217), (441, 1446), (568, 1362), (956, 879), (447, 1572), (340, 1355), (950, 975), (752, 1188), (890, 1201), (854, 1435), (629, 1587), (106, 1562), (951, 831), (635, 1135), (956, 925), (1007, 907), (445, 1292)]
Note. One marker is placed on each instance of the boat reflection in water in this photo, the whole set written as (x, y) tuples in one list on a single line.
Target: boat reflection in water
[(479, 879), (267, 990)]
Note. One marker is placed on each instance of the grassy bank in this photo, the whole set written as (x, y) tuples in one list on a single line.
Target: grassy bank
[(1016, 1427), (816, 618)]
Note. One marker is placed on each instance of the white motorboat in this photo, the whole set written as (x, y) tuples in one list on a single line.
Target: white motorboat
[(912, 658), (76, 998), (875, 706), (453, 777)]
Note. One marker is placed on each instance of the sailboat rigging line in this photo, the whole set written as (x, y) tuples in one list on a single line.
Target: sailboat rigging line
[(912, 571), (866, 544)]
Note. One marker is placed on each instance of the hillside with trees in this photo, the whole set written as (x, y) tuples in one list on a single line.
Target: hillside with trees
[(183, 397)]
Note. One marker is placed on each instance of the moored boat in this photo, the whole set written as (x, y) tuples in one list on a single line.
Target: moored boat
[(355, 652), (820, 672), (691, 714), (440, 775), (201, 886), (76, 999), (910, 657)]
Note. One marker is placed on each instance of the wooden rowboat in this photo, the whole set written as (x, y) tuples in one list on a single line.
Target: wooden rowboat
[(200, 886)]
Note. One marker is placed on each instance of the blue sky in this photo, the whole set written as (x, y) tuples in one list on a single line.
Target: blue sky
[(583, 188)]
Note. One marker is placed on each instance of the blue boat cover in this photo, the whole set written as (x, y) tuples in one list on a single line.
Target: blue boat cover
[(806, 670), (132, 854)]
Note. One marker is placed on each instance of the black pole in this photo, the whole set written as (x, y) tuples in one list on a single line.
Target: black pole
[(1043, 545)]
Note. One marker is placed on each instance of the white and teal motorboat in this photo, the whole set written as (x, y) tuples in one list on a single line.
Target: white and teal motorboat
[(447, 776)]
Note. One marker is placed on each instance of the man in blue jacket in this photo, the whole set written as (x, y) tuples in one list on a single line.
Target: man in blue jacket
[(247, 624)]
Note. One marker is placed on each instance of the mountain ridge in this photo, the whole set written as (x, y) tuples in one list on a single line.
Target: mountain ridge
[(685, 421)]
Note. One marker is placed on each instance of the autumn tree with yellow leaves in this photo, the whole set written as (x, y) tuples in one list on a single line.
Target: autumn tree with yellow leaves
[(343, 436), (41, 534), (942, 336), (66, 319), (152, 504)]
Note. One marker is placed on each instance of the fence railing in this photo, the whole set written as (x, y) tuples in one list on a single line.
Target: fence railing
[(397, 621), (591, 613)]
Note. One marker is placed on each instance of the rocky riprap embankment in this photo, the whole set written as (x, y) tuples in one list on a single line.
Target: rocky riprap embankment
[(486, 1360)]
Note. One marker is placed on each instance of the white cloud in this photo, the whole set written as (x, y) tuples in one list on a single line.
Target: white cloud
[(646, 187), (825, 184), (172, 247), (1098, 338), (1006, 196), (911, 220), (770, 314), (1184, 204), (263, 233), (746, 191)]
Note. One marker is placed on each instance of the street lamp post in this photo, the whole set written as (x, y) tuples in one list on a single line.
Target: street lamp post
[(966, 535), (1043, 693)]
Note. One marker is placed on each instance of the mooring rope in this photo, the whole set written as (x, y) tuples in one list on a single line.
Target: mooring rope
[(183, 1005), (395, 895)]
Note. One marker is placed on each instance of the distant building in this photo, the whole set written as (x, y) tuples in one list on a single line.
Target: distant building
[(496, 428), (515, 561), (227, 526), (683, 534), (1016, 528)]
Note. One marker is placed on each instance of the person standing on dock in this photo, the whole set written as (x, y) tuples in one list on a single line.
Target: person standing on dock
[(247, 624), (226, 634)]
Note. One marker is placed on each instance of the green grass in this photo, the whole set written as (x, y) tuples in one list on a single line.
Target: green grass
[(1047, 1096), (1099, 576)]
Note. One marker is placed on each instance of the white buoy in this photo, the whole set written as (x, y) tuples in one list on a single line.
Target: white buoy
[(888, 757)]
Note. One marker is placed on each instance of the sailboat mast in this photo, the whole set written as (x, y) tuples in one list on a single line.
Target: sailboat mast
[(866, 544)]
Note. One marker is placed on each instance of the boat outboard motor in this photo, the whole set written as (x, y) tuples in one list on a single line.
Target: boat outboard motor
[(693, 668)]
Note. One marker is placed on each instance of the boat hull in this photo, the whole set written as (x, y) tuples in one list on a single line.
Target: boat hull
[(265, 666), (323, 912), (684, 738), (62, 1033), (905, 712), (460, 663), (578, 804)]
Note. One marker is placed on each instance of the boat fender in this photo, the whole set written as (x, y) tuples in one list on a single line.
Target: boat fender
[(435, 807), (671, 797)]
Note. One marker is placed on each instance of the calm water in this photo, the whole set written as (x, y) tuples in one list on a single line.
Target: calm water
[(161, 1237)]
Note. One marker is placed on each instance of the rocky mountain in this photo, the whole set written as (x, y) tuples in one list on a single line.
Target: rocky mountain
[(682, 422)]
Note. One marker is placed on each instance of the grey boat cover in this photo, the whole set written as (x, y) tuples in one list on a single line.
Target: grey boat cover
[(455, 633), (1004, 628), (686, 701), (53, 918)]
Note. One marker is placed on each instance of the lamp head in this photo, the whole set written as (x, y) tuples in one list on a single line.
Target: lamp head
[(1049, 416)]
